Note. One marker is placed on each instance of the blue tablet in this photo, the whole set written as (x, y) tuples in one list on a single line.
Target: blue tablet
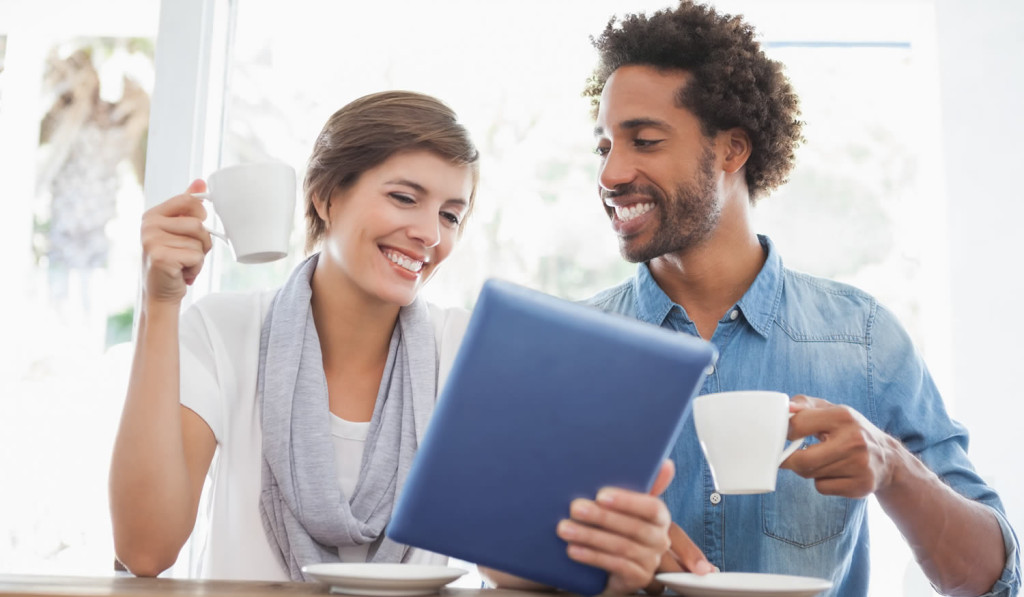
[(547, 401)]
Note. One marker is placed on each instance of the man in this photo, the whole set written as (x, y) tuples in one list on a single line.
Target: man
[(694, 124)]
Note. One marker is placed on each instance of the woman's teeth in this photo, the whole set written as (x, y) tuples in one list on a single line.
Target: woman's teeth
[(404, 262)]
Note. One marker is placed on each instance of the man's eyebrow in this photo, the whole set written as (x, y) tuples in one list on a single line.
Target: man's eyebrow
[(637, 123)]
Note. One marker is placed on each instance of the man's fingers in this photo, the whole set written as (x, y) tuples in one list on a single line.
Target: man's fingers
[(669, 563), (817, 460), (686, 553), (802, 402), (817, 417), (840, 478), (840, 453)]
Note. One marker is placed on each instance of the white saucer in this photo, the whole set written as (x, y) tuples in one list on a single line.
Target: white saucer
[(748, 584), (383, 580)]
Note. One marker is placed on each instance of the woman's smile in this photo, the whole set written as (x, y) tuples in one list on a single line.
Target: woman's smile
[(403, 262)]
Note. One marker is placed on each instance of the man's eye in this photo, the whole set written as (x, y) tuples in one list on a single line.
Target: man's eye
[(642, 143), (601, 151), (402, 198)]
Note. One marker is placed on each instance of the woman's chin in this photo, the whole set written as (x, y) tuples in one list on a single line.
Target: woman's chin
[(400, 297)]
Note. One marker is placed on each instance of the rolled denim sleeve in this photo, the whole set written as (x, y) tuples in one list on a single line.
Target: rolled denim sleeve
[(1008, 584), (907, 405)]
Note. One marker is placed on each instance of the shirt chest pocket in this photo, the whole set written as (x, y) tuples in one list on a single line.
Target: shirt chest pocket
[(797, 514)]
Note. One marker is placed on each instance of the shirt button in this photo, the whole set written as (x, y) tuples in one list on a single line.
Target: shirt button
[(716, 498), (735, 313), (710, 370)]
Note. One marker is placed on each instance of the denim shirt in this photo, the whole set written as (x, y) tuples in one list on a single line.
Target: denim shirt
[(799, 334)]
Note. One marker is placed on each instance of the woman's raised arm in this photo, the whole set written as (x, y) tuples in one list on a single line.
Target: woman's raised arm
[(163, 450)]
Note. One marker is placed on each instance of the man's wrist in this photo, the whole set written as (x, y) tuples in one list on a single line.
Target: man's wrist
[(904, 468)]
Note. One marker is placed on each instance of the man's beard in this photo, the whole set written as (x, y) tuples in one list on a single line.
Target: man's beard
[(687, 219)]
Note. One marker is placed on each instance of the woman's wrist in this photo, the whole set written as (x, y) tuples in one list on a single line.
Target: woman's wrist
[(155, 311)]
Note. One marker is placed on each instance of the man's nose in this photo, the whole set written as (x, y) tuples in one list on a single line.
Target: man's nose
[(616, 170)]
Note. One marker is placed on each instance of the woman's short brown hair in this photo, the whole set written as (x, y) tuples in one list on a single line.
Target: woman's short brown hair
[(366, 132)]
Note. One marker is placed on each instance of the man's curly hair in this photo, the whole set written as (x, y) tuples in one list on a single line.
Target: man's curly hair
[(733, 83)]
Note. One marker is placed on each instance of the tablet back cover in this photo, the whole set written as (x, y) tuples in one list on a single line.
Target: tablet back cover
[(547, 401)]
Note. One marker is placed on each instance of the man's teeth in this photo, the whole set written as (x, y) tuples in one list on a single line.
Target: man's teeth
[(637, 209), (401, 260)]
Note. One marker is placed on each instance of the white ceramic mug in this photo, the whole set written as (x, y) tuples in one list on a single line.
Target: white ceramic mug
[(256, 204), (743, 435)]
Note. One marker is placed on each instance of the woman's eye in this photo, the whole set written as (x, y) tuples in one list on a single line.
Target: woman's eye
[(452, 218), (402, 198)]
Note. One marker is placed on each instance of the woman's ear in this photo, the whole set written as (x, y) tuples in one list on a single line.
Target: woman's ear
[(737, 148), (323, 208)]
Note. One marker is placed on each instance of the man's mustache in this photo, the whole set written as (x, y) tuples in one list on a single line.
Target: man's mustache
[(629, 189)]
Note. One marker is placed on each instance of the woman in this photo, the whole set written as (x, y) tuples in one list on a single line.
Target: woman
[(313, 397)]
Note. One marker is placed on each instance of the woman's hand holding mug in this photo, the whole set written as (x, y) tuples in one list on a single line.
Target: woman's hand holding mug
[(174, 245)]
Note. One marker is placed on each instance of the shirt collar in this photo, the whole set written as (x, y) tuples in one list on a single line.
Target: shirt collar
[(759, 304), (652, 304)]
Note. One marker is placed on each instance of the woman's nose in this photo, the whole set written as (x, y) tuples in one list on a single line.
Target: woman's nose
[(426, 229)]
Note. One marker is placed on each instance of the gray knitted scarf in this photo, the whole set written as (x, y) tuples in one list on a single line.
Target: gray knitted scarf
[(305, 515)]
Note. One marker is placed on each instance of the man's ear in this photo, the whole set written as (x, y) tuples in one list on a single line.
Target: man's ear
[(737, 147)]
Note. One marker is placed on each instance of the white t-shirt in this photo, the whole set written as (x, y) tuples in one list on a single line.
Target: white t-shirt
[(220, 341), (349, 439)]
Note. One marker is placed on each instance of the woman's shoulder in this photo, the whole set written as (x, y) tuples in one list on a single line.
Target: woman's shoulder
[(230, 314), (228, 302), (449, 327), (449, 324), (444, 315)]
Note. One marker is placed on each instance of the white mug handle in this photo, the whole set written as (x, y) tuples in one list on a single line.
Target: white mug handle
[(204, 196), (793, 447)]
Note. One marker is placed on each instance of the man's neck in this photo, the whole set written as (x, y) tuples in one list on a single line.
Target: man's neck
[(707, 280)]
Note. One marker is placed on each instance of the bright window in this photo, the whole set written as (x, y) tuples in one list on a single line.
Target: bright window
[(73, 121)]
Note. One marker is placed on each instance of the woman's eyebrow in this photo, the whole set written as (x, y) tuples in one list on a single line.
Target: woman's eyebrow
[(408, 183), (422, 189)]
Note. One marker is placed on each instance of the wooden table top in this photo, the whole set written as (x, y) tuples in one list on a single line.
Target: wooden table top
[(65, 586)]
